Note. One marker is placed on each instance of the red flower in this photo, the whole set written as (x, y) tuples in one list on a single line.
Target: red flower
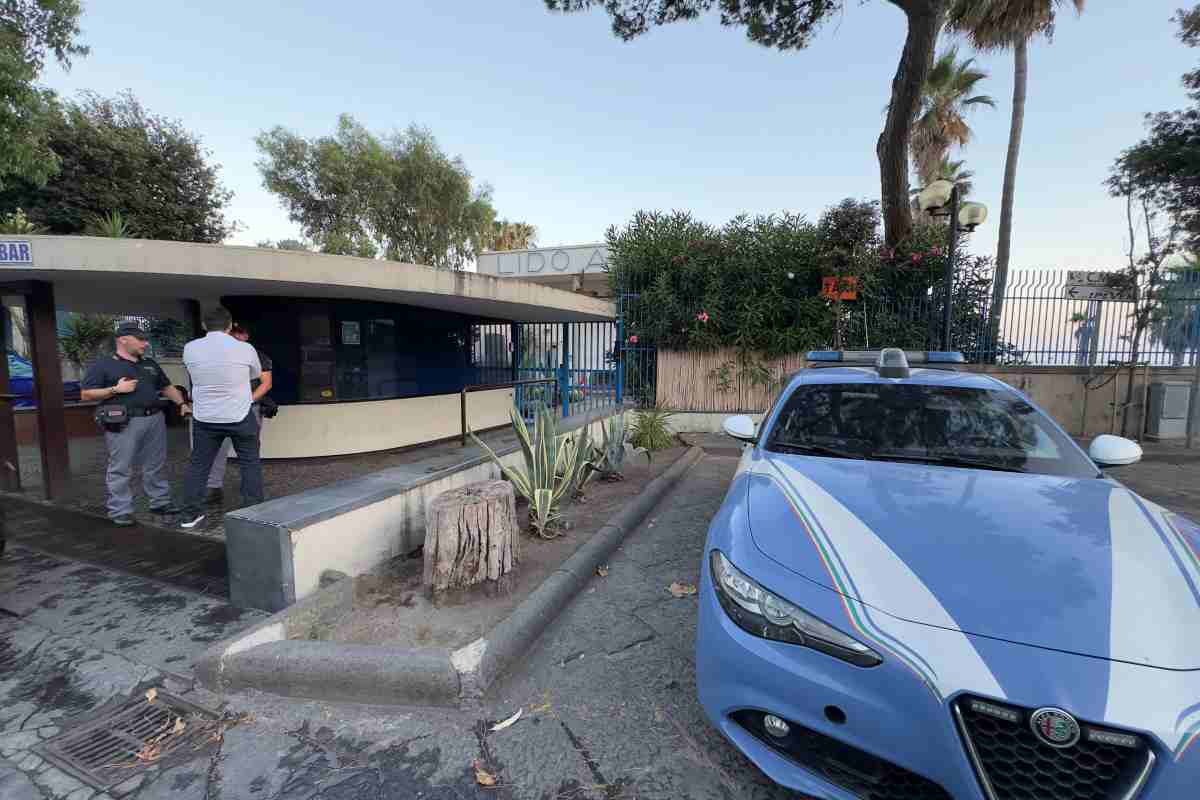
[(702, 316), (936, 251), (916, 259), (633, 340)]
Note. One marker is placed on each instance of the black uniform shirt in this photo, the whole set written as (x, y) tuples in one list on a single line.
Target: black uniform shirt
[(150, 377)]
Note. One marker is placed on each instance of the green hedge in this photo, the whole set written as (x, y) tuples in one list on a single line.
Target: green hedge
[(755, 283)]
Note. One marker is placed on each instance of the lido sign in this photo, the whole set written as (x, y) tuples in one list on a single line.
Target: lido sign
[(545, 261), (15, 252)]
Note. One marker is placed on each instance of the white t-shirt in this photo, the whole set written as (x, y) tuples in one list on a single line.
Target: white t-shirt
[(221, 369)]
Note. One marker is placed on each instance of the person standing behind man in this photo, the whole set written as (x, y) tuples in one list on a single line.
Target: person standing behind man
[(258, 388), (128, 378), (221, 368)]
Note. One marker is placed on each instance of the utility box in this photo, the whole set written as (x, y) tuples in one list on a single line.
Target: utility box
[(1166, 418)]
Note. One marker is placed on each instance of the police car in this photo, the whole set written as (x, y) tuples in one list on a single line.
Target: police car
[(918, 586)]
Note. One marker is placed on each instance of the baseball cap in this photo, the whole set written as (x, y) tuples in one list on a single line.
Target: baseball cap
[(132, 330)]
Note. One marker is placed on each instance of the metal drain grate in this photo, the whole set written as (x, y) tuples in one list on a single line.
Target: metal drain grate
[(131, 738)]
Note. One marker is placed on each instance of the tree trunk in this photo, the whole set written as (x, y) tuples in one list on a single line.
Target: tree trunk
[(1004, 242), (924, 22), (471, 537)]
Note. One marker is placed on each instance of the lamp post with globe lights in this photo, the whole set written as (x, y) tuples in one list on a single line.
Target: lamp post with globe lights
[(942, 199)]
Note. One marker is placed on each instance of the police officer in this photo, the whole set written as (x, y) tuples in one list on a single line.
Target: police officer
[(128, 378)]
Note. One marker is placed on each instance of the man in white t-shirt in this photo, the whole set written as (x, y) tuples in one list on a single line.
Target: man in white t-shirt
[(221, 368)]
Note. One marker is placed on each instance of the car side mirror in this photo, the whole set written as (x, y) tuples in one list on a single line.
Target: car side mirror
[(741, 428), (1114, 451)]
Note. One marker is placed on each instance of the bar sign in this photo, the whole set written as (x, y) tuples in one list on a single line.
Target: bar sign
[(15, 252)]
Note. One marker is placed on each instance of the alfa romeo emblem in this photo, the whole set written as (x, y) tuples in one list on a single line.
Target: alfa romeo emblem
[(1055, 727)]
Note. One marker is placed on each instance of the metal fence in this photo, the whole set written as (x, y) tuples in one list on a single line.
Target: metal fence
[(1047, 326), (1041, 324), (579, 356)]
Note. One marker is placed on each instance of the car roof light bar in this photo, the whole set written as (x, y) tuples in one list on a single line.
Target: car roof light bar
[(871, 357)]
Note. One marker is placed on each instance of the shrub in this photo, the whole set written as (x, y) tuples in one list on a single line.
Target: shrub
[(755, 284), (85, 336), (650, 431), (19, 224)]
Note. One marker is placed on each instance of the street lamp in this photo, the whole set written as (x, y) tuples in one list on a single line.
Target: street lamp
[(941, 198)]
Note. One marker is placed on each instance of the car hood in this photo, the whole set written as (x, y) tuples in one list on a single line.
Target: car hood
[(1079, 565)]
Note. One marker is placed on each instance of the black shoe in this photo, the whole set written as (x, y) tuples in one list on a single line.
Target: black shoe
[(165, 510), (215, 497), (191, 521), (123, 521)]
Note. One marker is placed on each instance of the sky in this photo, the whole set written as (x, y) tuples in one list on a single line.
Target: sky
[(575, 130)]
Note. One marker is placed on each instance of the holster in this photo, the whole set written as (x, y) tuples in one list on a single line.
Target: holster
[(112, 418)]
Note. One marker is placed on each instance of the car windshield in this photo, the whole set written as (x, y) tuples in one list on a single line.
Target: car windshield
[(907, 422)]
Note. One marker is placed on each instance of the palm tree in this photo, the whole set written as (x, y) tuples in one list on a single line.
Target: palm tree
[(947, 170), (1001, 25), (507, 235), (947, 95), (954, 172)]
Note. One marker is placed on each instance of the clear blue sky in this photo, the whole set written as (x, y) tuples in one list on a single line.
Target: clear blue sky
[(576, 130)]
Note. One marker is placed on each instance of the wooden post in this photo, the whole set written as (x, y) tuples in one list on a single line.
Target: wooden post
[(1193, 403), (10, 465), (471, 537), (48, 389)]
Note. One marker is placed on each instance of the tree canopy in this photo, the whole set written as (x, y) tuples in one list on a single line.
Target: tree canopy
[(790, 25), (398, 196), (115, 157), (284, 244), (29, 30), (1164, 168)]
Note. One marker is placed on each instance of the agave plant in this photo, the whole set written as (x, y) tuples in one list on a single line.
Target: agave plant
[(113, 225), (553, 467), (609, 456)]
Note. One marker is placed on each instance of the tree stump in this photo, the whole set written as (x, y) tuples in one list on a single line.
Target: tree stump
[(471, 537)]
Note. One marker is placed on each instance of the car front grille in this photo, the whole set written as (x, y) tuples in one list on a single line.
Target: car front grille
[(858, 772), (1013, 763)]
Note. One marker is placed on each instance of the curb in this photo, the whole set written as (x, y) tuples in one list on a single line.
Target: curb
[(269, 657), (511, 638)]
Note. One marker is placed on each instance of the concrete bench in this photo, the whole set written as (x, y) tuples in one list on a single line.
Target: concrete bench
[(277, 550)]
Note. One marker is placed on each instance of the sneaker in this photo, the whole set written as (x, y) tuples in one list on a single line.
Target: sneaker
[(215, 497), (123, 521), (191, 521), (165, 510)]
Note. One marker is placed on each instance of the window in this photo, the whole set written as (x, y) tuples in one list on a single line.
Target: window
[(917, 422), (345, 350)]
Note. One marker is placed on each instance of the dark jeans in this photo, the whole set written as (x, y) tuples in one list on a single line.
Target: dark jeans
[(207, 438)]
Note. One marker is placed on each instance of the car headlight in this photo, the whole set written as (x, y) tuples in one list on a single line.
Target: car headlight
[(761, 613)]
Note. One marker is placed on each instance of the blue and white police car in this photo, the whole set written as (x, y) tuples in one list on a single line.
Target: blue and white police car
[(918, 586)]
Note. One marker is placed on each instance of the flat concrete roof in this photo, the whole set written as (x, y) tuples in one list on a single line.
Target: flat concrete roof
[(100, 274)]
